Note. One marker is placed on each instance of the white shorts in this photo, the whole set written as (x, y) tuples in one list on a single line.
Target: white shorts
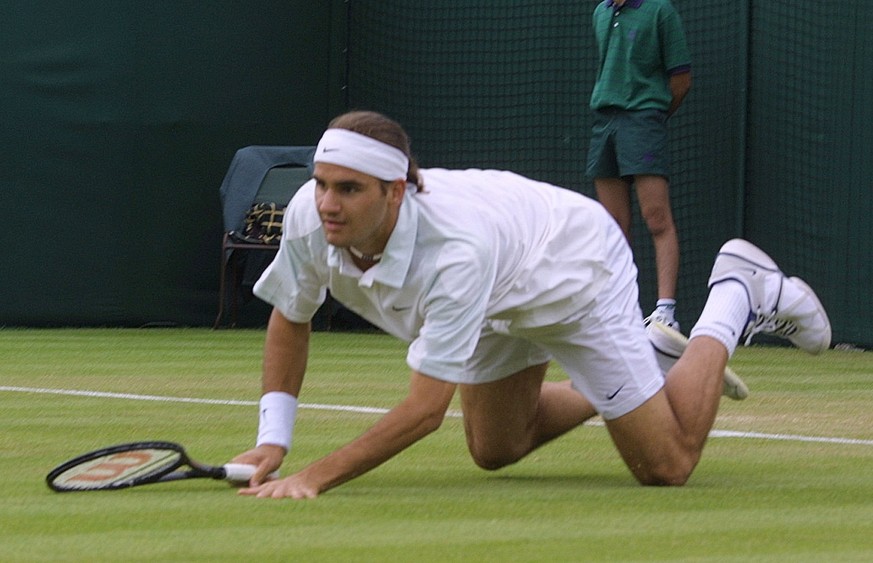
[(603, 348)]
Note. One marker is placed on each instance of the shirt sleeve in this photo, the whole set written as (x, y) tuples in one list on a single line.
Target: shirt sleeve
[(293, 289), (677, 57), (454, 313), (294, 283)]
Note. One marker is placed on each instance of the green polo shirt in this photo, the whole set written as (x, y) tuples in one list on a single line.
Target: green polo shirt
[(640, 45)]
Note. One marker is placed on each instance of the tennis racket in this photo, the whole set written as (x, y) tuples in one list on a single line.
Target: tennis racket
[(138, 463)]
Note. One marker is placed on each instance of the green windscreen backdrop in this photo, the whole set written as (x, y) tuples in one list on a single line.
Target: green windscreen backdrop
[(773, 143), (120, 120), (809, 189)]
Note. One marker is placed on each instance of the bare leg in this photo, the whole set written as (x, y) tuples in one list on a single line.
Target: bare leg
[(506, 420), (654, 198), (614, 195), (662, 440)]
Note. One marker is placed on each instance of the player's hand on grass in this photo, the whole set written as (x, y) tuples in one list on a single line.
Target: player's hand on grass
[(294, 486), (267, 458)]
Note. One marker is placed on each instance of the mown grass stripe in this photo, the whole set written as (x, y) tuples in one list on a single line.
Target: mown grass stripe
[(374, 410)]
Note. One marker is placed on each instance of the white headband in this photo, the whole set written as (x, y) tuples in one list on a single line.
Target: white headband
[(362, 153)]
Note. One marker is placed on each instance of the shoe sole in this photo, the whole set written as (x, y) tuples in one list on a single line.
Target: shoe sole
[(826, 342), (745, 250), (741, 261), (733, 386)]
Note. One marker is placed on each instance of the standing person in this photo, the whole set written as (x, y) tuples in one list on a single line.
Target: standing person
[(488, 276), (644, 74)]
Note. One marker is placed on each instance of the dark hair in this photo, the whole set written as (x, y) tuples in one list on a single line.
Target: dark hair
[(384, 129)]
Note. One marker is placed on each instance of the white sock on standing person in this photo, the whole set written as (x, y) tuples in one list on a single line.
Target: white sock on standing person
[(667, 308)]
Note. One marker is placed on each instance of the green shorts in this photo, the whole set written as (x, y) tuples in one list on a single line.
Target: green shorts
[(627, 143)]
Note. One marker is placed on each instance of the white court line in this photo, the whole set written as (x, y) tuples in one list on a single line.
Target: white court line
[(158, 398), (374, 410)]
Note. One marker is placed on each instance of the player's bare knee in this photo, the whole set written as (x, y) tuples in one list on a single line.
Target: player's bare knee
[(491, 462), (665, 474), (665, 480), (492, 459)]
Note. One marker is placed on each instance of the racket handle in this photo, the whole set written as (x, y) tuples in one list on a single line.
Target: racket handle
[(242, 472)]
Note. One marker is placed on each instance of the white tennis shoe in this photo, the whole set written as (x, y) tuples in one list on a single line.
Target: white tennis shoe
[(659, 315), (780, 306), (669, 345)]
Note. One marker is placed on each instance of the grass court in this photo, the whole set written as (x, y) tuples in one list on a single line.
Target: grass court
[(786, 476)]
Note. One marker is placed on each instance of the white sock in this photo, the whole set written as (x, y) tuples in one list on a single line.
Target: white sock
[(725, 314), (667, 308)]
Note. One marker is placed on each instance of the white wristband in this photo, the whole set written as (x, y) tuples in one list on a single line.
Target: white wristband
[(278, 412)]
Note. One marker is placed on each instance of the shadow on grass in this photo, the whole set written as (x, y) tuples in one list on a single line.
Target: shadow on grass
[(575, 481)]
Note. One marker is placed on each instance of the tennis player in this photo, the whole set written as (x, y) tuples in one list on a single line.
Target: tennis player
[(489, 276)]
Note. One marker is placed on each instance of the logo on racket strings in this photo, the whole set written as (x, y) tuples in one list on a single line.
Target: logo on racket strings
[(119, 466)]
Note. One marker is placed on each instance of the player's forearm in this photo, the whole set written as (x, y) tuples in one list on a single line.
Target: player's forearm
[(372, 449), (413, 419), (285, 356), (286, 351)]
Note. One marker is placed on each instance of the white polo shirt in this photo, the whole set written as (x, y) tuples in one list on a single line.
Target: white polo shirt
[(474, 246)]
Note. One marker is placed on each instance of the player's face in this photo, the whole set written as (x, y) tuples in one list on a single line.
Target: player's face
[(356, 209)]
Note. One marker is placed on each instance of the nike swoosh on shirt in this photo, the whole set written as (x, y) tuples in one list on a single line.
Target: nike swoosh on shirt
[(612, 395)]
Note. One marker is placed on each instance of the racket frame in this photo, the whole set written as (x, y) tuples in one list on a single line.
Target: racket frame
[(164, 473)]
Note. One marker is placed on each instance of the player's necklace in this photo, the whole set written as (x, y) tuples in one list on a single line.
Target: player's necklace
[(365, 257)]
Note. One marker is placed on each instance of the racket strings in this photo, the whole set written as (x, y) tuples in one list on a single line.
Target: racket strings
[(112, 470)]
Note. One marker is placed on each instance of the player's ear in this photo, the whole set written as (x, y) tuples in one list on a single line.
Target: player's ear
[(396, 191)]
